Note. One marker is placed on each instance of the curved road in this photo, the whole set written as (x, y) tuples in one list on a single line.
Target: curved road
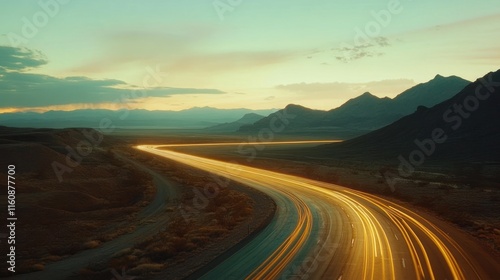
[(325, 231)]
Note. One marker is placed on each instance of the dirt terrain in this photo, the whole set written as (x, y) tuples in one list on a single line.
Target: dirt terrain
[(93, 203), (116, 208), (198, 234)]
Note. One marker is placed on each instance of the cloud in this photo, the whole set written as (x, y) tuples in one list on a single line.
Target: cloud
[(488, 24), (475, 40), (17, 59), (349, 90), (122, 48), (22, 89), (177, 49), (372, 48)]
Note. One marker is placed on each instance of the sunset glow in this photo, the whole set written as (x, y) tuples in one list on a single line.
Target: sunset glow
[(255, 55)]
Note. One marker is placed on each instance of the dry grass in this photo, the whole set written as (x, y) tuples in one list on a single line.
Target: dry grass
[(92, 244), (146, 269), (182, 236), (185, 236)]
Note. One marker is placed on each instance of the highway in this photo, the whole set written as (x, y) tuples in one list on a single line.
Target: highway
[(326, 231)]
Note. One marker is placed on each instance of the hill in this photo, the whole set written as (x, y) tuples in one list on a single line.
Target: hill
[(193, 118), (247, 119), (364, 113), (462, 128)]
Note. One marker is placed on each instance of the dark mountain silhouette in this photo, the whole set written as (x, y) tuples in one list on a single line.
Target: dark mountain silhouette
[(247, 119), (190, 118), (366, 112), (301, 117), (429, 94), (462, 128)]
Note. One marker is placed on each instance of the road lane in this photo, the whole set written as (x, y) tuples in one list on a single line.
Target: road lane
[(368, 238)]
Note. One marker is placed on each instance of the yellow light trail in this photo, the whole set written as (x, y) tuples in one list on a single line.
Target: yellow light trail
[(374, 220), (246, 143)]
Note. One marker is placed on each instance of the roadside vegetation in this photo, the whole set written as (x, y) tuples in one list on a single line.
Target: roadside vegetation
[(183, 237)]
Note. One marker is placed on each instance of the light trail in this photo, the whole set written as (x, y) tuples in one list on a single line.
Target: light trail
[(371, 227)]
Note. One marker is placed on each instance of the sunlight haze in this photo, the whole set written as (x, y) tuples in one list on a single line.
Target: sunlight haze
[(254, 54)]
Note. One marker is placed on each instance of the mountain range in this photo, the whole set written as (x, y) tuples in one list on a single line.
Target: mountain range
[(193, 118), (247, 119), (357, 116), (364, 113), (462, 128)]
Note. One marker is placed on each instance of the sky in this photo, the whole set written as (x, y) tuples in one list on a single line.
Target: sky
[(174, 55)]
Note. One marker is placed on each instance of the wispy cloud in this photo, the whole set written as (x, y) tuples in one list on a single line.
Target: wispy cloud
[(180, 50), (121, 48), (373, 48)]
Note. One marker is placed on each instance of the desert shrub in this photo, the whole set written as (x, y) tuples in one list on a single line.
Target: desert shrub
[(461, 219), (146, 268), (213, 231), (161, 252), (70, 249), (426, 201), (179, 226), (123, 261), (178, 243), (199, 240), (91, 244)]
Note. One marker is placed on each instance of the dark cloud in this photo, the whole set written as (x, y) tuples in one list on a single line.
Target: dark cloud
[(16, 59), (21, 89)]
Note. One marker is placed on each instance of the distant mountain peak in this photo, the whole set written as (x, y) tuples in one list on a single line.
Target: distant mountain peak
[(251, 116), (430, 93), (294, 106), (439, 77), (297, 108), (367, 95)]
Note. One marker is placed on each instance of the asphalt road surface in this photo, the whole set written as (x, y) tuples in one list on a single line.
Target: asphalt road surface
[(325, 231)]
